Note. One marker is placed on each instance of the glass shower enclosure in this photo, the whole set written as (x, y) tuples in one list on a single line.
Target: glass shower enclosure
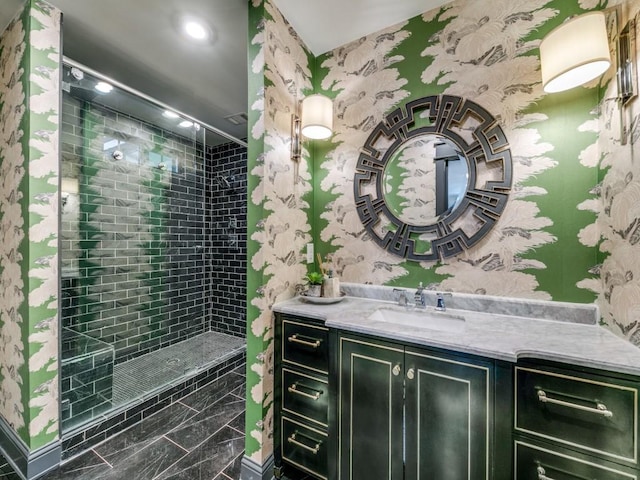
[(136, 248)]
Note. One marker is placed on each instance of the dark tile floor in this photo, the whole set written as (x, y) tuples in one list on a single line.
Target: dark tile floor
[(200, 437)]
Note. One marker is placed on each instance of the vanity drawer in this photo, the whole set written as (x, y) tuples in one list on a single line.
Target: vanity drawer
[(306, 396), (578, 410), (304, 447), (305, 345), (537, 463)]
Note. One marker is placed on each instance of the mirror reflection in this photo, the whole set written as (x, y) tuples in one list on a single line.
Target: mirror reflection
[(433, 178), (425, 179)]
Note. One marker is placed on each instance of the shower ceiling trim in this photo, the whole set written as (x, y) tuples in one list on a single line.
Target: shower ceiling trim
[(164, 106)]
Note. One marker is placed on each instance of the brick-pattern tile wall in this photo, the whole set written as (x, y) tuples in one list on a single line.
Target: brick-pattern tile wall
[(227, 241), (133, 231), (86, 377)]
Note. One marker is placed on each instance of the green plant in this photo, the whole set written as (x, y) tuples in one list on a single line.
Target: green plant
[(314, 278)]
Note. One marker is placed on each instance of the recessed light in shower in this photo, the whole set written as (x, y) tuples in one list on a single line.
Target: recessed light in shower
[(104, 87), (197, 30), (170, 114), (185, 124)]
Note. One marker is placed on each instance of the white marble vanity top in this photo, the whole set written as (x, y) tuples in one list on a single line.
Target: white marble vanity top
[(578, 341)]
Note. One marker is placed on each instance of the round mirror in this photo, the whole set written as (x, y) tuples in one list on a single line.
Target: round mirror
[(433, 178), (425, 179)]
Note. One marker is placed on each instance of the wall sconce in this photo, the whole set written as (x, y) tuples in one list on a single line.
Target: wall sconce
[(575, 52), (314, 121)]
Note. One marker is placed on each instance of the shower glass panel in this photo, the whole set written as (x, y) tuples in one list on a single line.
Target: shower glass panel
[(134, 249)]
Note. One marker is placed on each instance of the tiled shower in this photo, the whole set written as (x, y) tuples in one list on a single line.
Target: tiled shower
[(153, 248)]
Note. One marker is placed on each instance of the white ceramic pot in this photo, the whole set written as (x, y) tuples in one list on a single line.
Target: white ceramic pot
[(314, 290)]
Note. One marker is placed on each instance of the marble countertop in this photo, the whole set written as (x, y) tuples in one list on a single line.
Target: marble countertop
[(492, 335)]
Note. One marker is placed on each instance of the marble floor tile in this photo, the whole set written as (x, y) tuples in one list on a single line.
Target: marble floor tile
[(233, 470), (238, 423), (195, 430), (119, 448), (209, 394), (148, 463), (208, 459), (6, 471), (151, 450), (87, 466)]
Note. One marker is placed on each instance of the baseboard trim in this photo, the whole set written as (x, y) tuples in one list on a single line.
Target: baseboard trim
[(251, 470), (28, 464)]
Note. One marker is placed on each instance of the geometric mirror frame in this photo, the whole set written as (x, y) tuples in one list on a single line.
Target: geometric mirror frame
[(404, 186)]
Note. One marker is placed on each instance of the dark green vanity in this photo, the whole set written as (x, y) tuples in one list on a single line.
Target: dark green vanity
[(356, 406), (303, 401), (574, 423), (435, 408)]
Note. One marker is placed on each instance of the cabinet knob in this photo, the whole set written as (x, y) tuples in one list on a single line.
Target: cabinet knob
[(411, 373), (396, 370)]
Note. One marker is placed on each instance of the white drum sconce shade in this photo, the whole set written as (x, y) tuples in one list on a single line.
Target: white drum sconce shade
[(317, 117), (575, 52), (315, 122)]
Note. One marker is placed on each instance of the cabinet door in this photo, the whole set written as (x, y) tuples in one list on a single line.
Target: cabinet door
[(447, 418), (371, 410)]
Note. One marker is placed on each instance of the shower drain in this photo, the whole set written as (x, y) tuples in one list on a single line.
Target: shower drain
[(173, 361)]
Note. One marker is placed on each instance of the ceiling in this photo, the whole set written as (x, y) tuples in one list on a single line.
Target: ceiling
[(137, 43)]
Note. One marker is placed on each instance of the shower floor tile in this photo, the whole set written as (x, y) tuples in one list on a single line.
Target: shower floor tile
[(140, 376)]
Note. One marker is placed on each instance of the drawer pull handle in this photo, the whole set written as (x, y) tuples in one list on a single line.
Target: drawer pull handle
[(294, 339), (600, 409), (396, 370), (542, 475), (314, 450), (313, 396)]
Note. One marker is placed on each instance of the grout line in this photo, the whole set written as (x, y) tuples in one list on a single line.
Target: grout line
[(235, 429), (227, 466), (238, 396), (190, 408), (176, 444), (102, 458)]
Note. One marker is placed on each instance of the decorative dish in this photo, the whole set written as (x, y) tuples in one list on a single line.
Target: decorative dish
[(321, 300)]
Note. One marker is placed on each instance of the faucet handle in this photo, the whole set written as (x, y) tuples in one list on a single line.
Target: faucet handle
[(420, 297), (402, 298), (440, 305)]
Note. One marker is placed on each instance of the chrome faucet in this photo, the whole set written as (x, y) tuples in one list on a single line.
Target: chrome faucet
[(440, 305), (420, 298), (403, 298)]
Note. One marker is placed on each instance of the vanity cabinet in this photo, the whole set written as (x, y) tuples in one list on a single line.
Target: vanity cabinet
[(302, 442), (574, 424), (355, 406), (412, 413)]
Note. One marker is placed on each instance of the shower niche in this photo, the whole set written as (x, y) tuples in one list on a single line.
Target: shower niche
[(140, 256)]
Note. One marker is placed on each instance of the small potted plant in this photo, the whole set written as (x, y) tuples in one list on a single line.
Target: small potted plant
[(314, 279)]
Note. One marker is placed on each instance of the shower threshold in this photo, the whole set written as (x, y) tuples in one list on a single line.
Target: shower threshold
[(136, 378)]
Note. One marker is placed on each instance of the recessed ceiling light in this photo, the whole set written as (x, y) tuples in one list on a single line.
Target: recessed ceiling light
[(170, 114), (103, 87), (185, 124), (197, 30)]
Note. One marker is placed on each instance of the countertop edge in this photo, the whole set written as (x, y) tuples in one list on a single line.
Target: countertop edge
[(594, 335)]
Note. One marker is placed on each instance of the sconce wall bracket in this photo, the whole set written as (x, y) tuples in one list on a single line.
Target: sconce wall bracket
[(296, 141)]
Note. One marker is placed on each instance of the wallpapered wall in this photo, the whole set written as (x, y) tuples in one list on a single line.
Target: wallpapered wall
[(279, 201), (29, 104), (569, 231), (617, 229)]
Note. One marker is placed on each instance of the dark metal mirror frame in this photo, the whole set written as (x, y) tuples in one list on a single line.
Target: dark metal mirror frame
[(447, 113)]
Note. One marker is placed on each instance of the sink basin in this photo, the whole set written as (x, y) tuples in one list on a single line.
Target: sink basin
[(431, 319)]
